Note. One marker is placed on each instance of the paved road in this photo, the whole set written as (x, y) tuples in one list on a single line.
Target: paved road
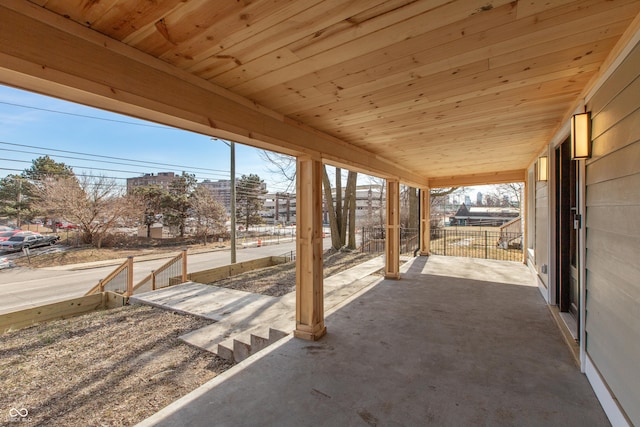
[(22, 288)]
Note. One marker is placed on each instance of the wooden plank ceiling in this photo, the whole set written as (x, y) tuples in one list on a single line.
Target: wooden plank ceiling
[(441, 87)]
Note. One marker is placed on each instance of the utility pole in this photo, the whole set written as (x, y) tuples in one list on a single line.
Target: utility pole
[(232, 146), (19, 204)]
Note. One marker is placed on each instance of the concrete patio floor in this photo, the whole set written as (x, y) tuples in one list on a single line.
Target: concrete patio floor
[(454, 342)]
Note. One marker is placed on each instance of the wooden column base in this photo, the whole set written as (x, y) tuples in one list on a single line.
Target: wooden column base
[(424, 253), (305, 334), (392, 276)]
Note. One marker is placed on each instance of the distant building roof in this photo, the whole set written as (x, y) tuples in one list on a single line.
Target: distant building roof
[(486, 211)]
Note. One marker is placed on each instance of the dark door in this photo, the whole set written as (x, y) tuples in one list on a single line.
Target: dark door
[(568, 223)]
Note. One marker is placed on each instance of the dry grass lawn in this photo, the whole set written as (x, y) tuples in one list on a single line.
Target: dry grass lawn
[(113, 367)]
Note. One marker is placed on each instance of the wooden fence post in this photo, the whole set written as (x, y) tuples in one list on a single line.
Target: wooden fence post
[(129, 275), (184, 265), (153, 280)]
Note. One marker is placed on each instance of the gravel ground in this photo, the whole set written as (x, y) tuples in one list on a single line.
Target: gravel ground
[(114, 367)]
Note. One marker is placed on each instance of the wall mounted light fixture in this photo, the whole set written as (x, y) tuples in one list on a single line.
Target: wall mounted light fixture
[(543, 168), (581, 136)]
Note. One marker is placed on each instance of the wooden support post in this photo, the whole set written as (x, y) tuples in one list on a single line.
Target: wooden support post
[(309, 290), (392, 241), (129, 276), (524, 209), (425, 221), (184, 265)]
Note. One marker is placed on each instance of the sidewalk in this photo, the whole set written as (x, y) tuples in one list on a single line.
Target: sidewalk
[(118, 261)]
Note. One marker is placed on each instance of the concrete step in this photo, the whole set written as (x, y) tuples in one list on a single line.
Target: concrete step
[(258, 343), (241, 350), (225, 350), (243, 345), (275, 335), (246, 323)]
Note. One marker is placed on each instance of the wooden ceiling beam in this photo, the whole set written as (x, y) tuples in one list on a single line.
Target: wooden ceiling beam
[(75, 63), (479, 179)]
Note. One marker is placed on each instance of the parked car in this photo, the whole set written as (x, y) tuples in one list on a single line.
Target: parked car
[(4, 235), (27, 240), (5, 263), (66, 226)]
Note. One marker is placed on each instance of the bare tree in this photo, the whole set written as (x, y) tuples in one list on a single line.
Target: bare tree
[(282, 166), (341, 208), (336, 241), (381, 184), (95, 204), (210, 214), (409, 207), (149, 199), (350, 208), (512, 190), (439, 201)]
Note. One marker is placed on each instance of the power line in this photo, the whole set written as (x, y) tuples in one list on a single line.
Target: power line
[(90, 117), (89, 160), (109, 157), (198, 175), (241, 192)]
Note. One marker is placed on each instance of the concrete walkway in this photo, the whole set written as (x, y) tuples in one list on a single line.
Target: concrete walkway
[(243, 318), (429, 349)]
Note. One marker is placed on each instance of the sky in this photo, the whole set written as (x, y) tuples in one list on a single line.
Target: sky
[(32, 126), (100, 143)]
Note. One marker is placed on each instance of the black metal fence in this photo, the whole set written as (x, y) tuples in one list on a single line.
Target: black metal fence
[(472, 243), (373, 240), (468, 242)]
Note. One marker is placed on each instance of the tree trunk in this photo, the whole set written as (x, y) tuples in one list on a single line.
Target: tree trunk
[(381, 210), (339, 211), (413, 208), (351, 207), (333, 223)]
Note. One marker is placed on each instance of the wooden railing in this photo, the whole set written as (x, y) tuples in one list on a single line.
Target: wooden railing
[(119, 280), (171, 273)]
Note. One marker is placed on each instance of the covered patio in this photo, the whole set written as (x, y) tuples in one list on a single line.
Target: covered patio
[(455, 342), (426, 93)]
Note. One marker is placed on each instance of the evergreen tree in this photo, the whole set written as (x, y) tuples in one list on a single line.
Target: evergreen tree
[(43, 170), (178, 201), (250, 190), (14, 200)]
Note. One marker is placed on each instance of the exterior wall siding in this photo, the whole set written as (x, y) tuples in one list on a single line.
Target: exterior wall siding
[(613, 235)]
